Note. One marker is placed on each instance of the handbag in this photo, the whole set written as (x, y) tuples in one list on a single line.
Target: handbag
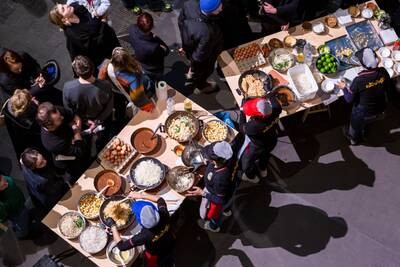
[(131, 109)]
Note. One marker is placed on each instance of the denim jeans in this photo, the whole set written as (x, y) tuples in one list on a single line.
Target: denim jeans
[(20, 223)]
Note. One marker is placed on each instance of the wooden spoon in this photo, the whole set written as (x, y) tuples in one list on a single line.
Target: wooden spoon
[(109, 184)]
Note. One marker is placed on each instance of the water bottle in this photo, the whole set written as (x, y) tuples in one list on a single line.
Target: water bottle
[(308, 54), (170, 105)]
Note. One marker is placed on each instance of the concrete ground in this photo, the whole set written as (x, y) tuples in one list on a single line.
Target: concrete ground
[(339, 206)]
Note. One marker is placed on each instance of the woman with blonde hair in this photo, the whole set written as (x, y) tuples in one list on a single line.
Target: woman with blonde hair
[(86, 35), (126, 74), (20, 116)]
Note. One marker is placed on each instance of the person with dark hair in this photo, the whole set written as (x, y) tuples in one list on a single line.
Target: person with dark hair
[(277, 15), (85, 35), (45, 186), (219, 180), (368, 94), (149, 49), (234, 24), (90, 98), (155, 234), (20, 117), (18, 71), (202, 41), (12, 207), (260, 130), (61, 136)]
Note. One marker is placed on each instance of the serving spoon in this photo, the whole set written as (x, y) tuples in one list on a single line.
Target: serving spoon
[(117, 252), (109, 184)]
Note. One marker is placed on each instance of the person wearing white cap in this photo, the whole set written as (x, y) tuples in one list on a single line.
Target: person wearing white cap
[(219, 180), (155, 235), (202, 41), (260, 136), (367, 93)]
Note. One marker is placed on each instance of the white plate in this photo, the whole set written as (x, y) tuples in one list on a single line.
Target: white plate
[(385, 52), (396, 55), (397, 67), (318, 28), (388, 63), (327, 86), (367, 13), (390, 71)]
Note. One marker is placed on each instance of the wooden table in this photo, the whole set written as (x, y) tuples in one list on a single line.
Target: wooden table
[(232, 73), (165, 155)]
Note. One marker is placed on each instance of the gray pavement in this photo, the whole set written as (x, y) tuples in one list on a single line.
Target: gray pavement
[(340, 206)]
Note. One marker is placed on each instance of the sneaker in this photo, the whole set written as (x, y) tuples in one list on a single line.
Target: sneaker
[(206, 226), (352, 141), (255, 180), (136, 10), (227, 213), (167, 8)]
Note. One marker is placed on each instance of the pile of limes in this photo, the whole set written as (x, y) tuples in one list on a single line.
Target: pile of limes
[(327, 64)]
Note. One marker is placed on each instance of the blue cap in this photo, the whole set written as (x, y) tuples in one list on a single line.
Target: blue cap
[(209, 6), (146, 213)]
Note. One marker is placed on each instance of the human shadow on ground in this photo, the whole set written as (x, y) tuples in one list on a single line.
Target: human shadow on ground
[(193, 245), (299, 229), (37, 8), (386, 132), (175, 77), (316, 177)]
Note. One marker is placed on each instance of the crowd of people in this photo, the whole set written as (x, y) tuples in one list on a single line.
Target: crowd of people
[(56, 133)]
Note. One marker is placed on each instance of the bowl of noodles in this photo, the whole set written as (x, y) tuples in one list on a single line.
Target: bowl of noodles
[(120, 212)]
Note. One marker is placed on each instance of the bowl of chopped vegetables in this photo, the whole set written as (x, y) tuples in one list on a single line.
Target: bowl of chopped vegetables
[(281, 59), (71, 224)]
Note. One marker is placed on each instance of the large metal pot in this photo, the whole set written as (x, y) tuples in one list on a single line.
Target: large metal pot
[(177, 114), (142, 187), (116, 198)]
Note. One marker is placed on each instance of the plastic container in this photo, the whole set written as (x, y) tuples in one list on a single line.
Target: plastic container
[(299, 76)]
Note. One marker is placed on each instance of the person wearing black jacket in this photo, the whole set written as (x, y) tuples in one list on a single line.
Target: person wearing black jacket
[(61, 136), (219, 180), (20, 117), (155, 235), (149, 49), (368, 94), (277, 15), (21, 70), (85, 35), (234, 24), (202, 41), (261, 136), (45, 185), (91, 99)]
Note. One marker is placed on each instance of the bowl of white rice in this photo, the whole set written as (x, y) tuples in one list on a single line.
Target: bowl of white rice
[(147, 173), (93, 239), (180, 179), (71, 224)]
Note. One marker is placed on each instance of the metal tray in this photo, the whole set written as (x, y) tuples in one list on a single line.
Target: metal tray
[(363, 35), (341, 43)]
